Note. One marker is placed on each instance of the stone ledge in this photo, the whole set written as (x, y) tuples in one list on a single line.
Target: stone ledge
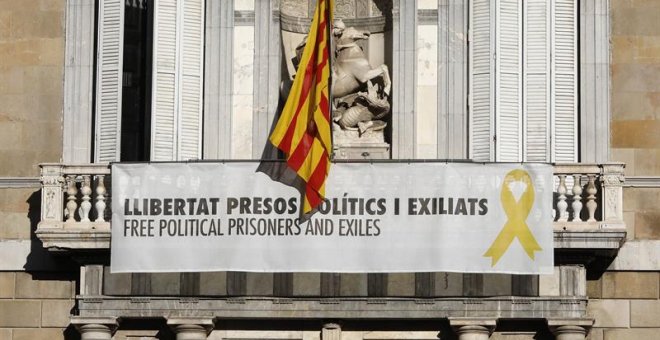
[(611, 238), (58, 239), (343, 308)]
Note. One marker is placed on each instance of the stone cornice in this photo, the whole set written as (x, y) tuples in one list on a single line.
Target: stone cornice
[(642, 182), (19, 182), (341, 308)]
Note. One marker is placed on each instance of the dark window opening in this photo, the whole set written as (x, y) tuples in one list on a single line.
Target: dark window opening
[(136, 90)]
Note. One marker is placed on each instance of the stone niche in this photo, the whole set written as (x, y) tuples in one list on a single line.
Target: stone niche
[(374, 16)]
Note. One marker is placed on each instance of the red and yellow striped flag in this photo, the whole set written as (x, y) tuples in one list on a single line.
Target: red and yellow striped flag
[(303, 129)]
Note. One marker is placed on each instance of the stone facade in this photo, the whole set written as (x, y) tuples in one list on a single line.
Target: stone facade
[(36, 298), (31, 90), (38, 288), (625, 302)]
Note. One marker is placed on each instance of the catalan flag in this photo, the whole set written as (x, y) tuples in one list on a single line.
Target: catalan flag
[(303, 130)]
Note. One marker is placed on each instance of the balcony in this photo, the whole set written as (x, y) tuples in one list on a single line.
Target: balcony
[(587, 204)]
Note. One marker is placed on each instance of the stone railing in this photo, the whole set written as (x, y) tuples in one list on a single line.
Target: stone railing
[(588, 196), (75, 210), (75, 206)]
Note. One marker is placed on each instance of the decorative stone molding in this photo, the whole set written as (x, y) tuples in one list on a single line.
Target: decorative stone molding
[(612, 179), (642, 182), (427, 16), (341, 309), (19, 182), (93, 328), (301, 25)]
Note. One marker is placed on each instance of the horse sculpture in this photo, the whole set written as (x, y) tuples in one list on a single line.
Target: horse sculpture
[(360, 91), (351, 67)]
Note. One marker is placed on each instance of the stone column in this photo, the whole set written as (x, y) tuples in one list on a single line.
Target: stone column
[(95, 328), (473, 328), (570, 329), (569, 333), (331, 331), (191, 328)]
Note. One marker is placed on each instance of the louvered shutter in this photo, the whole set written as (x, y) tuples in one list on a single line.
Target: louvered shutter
[(564, 81), (177, 79), (536, 80), (482, 81), (109, 69), (508, 106), (190, 95), (164, 84)]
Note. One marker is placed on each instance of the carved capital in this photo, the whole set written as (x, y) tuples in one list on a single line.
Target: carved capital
[(473, 328), (95, 328)]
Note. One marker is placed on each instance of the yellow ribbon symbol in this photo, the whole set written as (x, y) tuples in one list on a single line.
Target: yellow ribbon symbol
[(517, 213)]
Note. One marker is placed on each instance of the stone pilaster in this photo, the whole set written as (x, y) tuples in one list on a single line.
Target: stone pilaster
[(473, 328), (218, 79), (404, 82), (191, 328), (78, 81), (95, 328), (331, 331)]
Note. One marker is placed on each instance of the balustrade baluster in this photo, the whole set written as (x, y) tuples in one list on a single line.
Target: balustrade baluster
[(591, 198), (100, 199), (85, 205), (562, 205), (577, 199), (71, 203)]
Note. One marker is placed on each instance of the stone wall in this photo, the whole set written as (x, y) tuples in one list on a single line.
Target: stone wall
[(35, 306), (625, 304), (31, 84), (35, 301)]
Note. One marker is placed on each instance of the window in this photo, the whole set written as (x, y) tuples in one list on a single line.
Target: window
[(153, 82), (523, 80)]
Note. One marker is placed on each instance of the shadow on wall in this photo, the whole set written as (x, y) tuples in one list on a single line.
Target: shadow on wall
[(40, 260), (70, 333)]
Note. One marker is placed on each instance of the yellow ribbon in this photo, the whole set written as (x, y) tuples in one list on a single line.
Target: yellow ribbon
[(517, 212)]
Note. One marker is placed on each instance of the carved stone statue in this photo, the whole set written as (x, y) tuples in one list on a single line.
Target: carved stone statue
[(360, 96), (360, 91)]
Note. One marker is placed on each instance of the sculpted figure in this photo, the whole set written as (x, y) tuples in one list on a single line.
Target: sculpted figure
[(360, 91)]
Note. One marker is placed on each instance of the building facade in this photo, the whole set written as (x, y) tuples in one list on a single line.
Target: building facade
[(569, 82)]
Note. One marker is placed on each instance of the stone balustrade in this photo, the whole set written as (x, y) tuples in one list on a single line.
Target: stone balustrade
[(75, 210), (588, 196)]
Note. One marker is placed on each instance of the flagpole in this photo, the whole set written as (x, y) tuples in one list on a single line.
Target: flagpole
[(330, 57)]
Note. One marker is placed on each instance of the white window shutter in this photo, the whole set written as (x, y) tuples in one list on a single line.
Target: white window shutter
[(564, 81), (191, 76), (177, 80), (110, 42), (536, 81), (164, 84), (508, 106), (482, 79)]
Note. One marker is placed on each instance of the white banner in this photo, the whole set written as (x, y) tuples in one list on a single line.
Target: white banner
[(381, 217)]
